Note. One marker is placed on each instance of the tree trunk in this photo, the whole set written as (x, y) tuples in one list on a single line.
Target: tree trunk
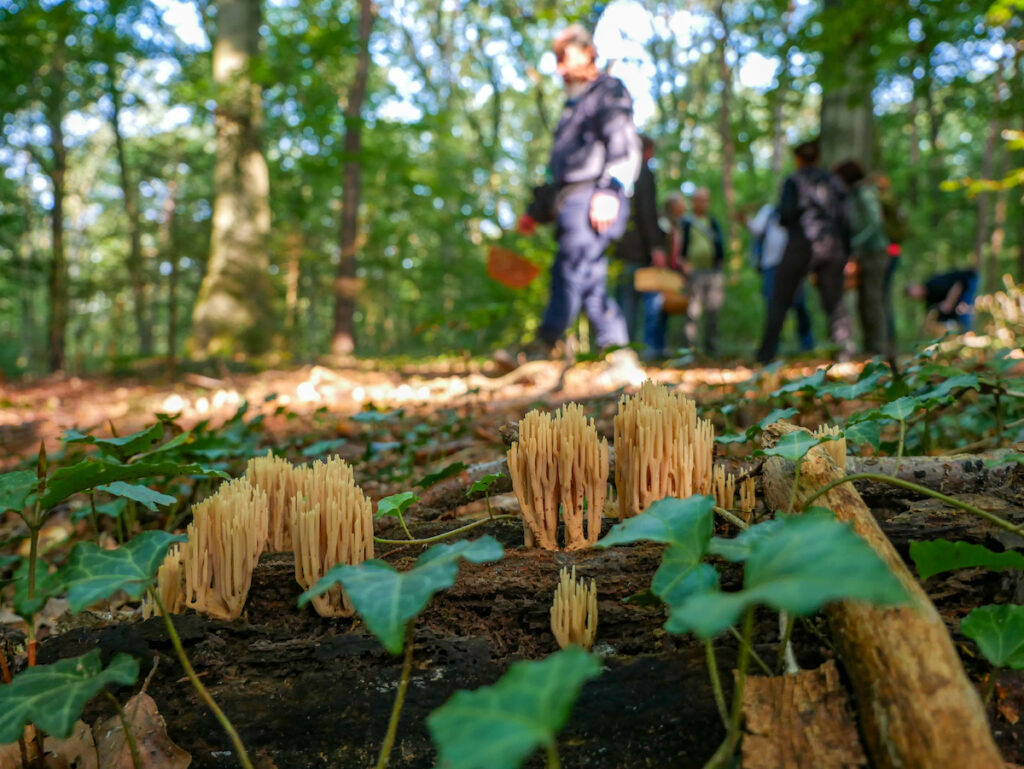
[(913, 155), (169, 247), (981, 231), (918, 709), (233, 312), (847, 116), (58, 282), (343, 341), (724, 127), (131, 208), (27, 278)]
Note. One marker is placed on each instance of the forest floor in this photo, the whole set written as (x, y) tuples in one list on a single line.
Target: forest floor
[(311, 692)]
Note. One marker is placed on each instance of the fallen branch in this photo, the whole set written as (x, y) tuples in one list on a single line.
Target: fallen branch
[(918, 709)]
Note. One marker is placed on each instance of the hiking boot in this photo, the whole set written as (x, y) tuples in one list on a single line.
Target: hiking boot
[(622, 368)]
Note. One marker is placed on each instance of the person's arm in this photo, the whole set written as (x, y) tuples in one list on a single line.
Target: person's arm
[(623, 154), (758, 226), (718, 245), (949, 303)]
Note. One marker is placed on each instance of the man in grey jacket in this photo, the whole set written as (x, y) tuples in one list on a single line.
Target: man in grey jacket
[(595, 160)]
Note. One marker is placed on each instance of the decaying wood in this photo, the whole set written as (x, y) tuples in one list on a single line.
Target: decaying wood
[(953, 474), (800, 721), (918, 709)]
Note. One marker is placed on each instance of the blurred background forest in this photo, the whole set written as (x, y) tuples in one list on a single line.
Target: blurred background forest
[(330, 174)]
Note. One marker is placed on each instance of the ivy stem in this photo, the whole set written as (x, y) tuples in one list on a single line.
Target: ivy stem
[(396, 709), (753, 654), (5, 674), (716, 682), (401, 520), (990, 688), (551, 754), (796, 482), (789, 619), (201, 690), (129, 735), (924, 490), (725, 751), (439, 537), (734, 520), (899, 448)]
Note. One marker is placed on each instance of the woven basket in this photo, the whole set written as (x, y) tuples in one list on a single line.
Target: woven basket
[(668, 283)]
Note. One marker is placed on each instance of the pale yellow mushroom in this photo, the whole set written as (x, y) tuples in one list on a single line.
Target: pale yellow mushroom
[(835, 448), (280, 479), (225, 540), (574, 611), (724, 487), (559, 461), (661, 449), (170, 585), (748, 497), (331, 523)]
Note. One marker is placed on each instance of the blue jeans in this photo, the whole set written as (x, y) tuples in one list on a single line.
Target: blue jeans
[(632, 302), (580, 272), (655, 324), (966, 318), (804, 328)]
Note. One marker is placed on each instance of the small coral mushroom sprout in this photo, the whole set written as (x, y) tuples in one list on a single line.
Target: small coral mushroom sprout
[(835, 447), (559, 461), (225, 540), (280, 479), (331, 523), (661, 449), (574, 612), (170, 584)]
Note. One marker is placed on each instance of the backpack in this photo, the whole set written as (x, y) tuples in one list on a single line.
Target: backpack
[(823, 201)]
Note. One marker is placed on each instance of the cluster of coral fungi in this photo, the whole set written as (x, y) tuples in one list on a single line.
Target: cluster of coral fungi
[(316, 511), (574, 611)]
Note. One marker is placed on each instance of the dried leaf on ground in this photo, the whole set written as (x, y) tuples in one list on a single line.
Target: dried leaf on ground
[(156, 750)]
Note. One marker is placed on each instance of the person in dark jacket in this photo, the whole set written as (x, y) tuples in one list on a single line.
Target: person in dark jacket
[(948, 298), (701, 256), (812, 209), (595, 161), (642, 245)]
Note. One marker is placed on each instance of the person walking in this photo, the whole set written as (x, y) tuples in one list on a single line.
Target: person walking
[(812, 209), (769, 244), (595, 161), (701, 257), (869, 253), (642, 245)]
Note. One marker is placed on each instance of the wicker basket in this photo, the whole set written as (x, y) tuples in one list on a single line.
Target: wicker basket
[(668, 283)]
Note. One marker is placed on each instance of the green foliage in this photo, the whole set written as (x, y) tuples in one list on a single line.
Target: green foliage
[(798, 567), (793, 446), (141, 494), (940, 555), (448, 471), (999, 633), (92, 473), (388, 600), (484, 484), (123, 447), (15, 488), (396, 504), (53, 696), (93, 574), (500, 726)]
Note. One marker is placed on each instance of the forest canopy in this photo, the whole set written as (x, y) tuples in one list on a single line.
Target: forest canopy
[(376, 151)]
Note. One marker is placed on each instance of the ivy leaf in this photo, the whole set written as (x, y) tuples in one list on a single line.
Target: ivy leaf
[(387, 599), (807, 562), (941, 392), (90, 473), (732, 438), (864, 432), (793, 446), (48, 585), (901, 408), (376, 417), (121, 447), (858, 389), (685, 523), (500, 726), (396, 504), (773, 416), (323, 447), (445, 472), (738, 548), (942, 555), (141, 494), (999, 633), (681, 575), (15, 489), (92, 574), (53, 696), (484, 484), (809, 383), (1005, 460)]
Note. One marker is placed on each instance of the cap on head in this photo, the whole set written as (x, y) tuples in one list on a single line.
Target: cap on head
[(808, 152)]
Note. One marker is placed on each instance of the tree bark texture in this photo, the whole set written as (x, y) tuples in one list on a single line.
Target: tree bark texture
[(918, 709), (343, 341), (169, 247), (58, 281), (140, 303), (233, 309), (724, 126)]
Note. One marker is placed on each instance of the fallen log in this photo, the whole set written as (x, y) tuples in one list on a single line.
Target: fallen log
[(917, 707)]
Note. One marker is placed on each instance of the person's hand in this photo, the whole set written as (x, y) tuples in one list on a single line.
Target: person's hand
[(526, 225), (658, 258), (604, 210)]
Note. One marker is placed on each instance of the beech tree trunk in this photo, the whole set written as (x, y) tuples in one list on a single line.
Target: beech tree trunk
[(140, 304), (169, 247), (233, 312), (918, 709), (724, 127), (58, 280), (346, 286)]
